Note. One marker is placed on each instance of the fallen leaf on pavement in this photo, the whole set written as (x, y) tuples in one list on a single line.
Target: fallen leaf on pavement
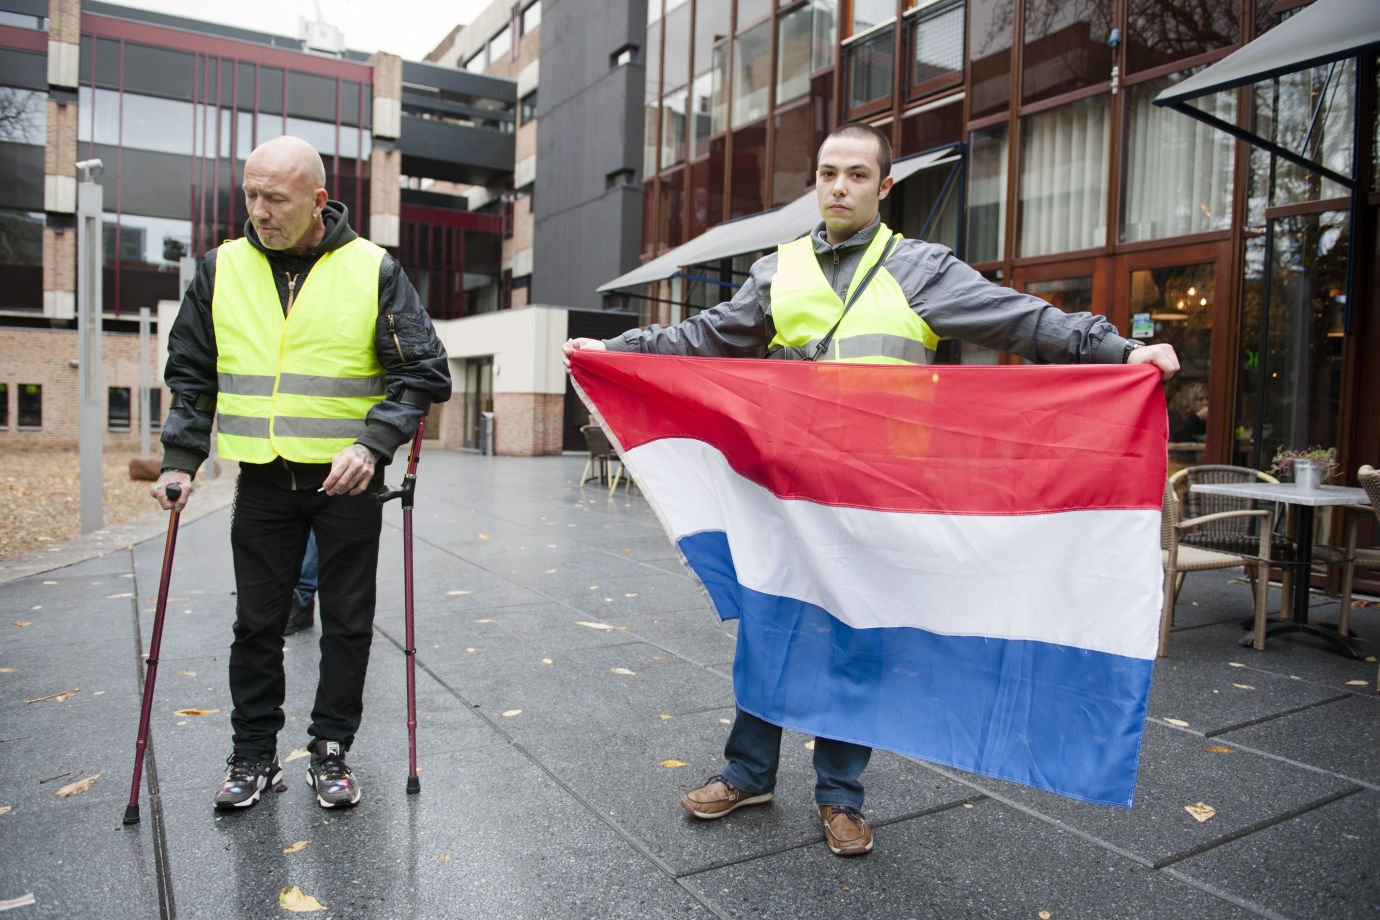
[(725, 722), (457, 593), (673, 763), (445, 857), (297, 755), (78, 787), (297, 847), (1358, 683), (546, 661), (593, 625), (665, 716), (291, 898), (194, 712), (508, 714), (60, 697), (622, 671), (20, 624), (1179, 722), (6, 809), (1219, 750), (24, 900), (1235, 664), (483, 536), (1243, 686), (9, 670), (113, 596), (1200, 812), (486, 620), (810, 745), (1044, 915), (187, 673)]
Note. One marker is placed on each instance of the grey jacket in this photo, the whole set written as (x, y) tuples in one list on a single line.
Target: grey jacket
[(945, 292)]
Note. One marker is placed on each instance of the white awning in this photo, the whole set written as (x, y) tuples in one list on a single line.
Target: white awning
[(1326, 31), (756, 232)]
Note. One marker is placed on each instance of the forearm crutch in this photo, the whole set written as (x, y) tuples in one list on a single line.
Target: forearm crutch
[(406, 492), (174, 492)]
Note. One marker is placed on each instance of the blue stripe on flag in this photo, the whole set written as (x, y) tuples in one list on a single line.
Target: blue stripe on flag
[(1058, 718)]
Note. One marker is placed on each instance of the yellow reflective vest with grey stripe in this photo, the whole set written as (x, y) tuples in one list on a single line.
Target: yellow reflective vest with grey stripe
[(297, 386), (880, 328)]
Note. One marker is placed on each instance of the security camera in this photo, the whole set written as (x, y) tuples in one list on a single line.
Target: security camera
[(88, 168)]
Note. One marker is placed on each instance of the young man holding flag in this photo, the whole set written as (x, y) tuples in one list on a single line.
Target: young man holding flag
[(853, 291)]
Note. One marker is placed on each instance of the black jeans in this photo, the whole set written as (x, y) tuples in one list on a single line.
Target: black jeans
[(268, 537)]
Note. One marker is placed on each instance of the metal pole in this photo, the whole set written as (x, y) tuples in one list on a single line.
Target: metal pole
[(145, 423), (90, 210)]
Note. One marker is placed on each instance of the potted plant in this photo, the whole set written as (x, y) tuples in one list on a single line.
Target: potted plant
[(1310, 466)]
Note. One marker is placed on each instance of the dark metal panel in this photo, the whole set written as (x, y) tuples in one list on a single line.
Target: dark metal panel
[(438, 150)]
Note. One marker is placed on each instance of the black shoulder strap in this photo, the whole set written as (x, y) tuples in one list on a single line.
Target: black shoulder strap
[(823, 345)]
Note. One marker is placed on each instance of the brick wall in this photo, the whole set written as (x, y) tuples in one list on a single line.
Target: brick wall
[(42, 356), (528, 424)]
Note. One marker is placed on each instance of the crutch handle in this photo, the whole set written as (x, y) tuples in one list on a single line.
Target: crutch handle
[(174, 492)]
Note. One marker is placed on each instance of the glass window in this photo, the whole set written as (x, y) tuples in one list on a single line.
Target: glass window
[(987, 158), (677, 50), (712, 24), (4, 405), (158, 71), (1179, 171), (159, 124), (1154, 36), (98, 116), (701, 121), (271, 90), (673, 128), (869, 13), (30, 405), (653, 11), (317, 133), (21, 259), (23, 116), (527, 108), (653, 47), (1063, 179), (649, 140), (1072, 295), (869, 68), (349, 102), (117, 407), (1310, 113), (1180, 301), (931, 128), (153, 183), (718, 112), (825, 33), (751, 11), (990, 26), (936, 43), (749, 174), (793, 54), (671, 214), (311, 95), (501, 45), (751, 74), (155, 408), (1065, 46), (531, 18), (929, 202), (793, 157)]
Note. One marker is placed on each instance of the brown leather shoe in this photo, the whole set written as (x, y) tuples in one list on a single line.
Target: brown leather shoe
[(718, 797), (845, 830)]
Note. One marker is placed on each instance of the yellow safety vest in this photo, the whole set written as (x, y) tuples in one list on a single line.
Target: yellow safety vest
[(298, 386), (881, 328)]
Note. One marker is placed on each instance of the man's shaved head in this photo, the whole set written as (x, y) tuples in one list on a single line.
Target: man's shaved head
[(284, 192), (292, 155)]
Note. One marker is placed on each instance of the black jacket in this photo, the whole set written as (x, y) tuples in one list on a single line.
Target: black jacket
[(413, 359)]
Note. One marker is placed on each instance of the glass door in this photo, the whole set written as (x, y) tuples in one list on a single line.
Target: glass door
[(479, 399)]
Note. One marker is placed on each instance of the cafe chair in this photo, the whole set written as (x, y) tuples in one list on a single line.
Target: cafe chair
[(600, 454), (1180, 556), (1232, 535), (1351, 555)]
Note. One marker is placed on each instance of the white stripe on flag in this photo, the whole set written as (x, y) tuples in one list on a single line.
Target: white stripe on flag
[(1076, 578)]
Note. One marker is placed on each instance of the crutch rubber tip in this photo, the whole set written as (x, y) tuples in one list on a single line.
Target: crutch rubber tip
[(414, 785), (131, 814)]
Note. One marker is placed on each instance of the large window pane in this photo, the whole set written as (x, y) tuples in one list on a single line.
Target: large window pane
[(650, 126), (826, 32), (1157, 33), (1063, 180), (930, 205), (701, 122), (21, 259), (749, 173), (718, 113), (671, 213), (1065, 46), (931, 128), (23, 116), (793, 54), (677, 51), (1310, 113), (712, 23), (751, 74), (1178, 170), (987, 157), (30, 405), (653, 49), (936, 42), (158, 71), (673, 128), (869, 68), (311, 95), (990, 27), (793, 167), (164, 125), (869, 13), (750, 11)]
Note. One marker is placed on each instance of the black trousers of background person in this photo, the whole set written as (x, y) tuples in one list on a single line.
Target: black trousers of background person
[(268, 538)]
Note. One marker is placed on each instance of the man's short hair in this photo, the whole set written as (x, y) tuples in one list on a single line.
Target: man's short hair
[(862, 131)]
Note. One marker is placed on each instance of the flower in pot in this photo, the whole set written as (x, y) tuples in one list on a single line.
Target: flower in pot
[(1287, 463)]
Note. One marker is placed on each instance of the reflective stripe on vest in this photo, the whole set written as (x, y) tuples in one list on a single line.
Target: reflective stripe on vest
[(300, 386), (881, 328)]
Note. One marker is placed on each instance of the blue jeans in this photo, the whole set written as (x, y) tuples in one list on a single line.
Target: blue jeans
[(306, 582), (753, 752)]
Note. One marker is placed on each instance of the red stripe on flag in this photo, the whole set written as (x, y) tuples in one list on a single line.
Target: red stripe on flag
[(1018, 439)]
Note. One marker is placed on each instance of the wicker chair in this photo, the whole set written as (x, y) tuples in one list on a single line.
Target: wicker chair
[(1180, 557), (1349, 556), (1226, 535), (600, 453)]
